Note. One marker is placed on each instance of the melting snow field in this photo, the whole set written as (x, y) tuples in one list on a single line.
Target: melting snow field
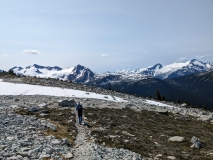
[(159, 104), (26, 89)]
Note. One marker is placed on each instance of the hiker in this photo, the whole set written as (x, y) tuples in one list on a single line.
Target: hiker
[(79, 108)]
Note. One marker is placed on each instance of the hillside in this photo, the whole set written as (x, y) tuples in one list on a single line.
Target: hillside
[(115, 126), (200, 85), (147, 87)]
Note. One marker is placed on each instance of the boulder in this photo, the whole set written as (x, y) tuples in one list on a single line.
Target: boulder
[(65, 141), (176, 139), (52, 126), (42, 106), (196, 145), (44, 111), (195, 142), (183, 105), (68, 155), (163, 111), (67, 103), (171, 157), (55, 142), (14, 106), (44, 156), (33, 109)]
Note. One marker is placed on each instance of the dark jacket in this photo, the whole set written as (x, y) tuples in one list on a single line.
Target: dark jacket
[(79, 108)]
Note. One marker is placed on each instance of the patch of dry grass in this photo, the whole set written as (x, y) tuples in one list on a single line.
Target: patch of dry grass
[(64, 119), (147, 133)]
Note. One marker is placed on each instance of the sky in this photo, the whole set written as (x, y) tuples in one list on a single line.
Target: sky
[(104, 35)]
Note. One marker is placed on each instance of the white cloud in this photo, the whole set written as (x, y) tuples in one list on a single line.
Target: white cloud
[(201, 57), (182, 60), (104, 55), (145, 53), (4, 55), (31, 52)]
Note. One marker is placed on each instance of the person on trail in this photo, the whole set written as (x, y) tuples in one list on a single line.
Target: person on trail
[(79, 108)]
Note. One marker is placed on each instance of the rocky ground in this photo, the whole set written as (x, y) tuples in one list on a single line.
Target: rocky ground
[(51, 131)]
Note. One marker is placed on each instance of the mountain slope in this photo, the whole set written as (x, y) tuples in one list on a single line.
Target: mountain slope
[(199, 85), (176, 69), (147, 87), (79, 74)]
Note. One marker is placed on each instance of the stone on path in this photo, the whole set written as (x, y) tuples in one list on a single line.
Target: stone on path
[(176, 139)]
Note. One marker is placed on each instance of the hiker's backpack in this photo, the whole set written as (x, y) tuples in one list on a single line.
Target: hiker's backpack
[(80, 108)]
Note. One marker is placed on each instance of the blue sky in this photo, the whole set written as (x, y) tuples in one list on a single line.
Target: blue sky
[(104, 35)]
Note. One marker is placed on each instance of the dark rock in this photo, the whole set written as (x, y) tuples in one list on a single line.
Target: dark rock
[(44, 111), (67, 103), (33, 109)]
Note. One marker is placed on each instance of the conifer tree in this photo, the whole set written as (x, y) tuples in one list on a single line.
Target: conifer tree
[(178, 101), (163, 98), (158, 96)]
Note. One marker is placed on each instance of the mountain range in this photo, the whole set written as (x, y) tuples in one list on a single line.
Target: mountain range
[(81, 74), (182, 81)]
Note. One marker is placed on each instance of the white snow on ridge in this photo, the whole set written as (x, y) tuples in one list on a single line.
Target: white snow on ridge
[(44, 72), (159, 104), (26, 89)]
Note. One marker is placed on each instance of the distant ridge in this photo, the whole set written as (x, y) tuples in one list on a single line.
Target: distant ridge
[(176, 69), (81, 74)]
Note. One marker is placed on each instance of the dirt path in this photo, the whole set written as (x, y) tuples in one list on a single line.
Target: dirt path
[(83, 148), (86, 149)]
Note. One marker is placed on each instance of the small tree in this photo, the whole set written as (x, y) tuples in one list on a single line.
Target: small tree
[(163, 98), (158, 96), (204, 107), (178, 101)]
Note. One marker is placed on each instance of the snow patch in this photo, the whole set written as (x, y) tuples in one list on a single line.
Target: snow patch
[(26, 89), (159, 104)]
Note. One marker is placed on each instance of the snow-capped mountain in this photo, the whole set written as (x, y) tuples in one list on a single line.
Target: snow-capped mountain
[(79, 74), (1, 71), (176, 69)]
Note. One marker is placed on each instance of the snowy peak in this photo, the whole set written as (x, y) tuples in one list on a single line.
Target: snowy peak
[(157, 66), (200, 65), (150, 71), (176, 69), (79, 74), (82, 74), (44, 67)]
